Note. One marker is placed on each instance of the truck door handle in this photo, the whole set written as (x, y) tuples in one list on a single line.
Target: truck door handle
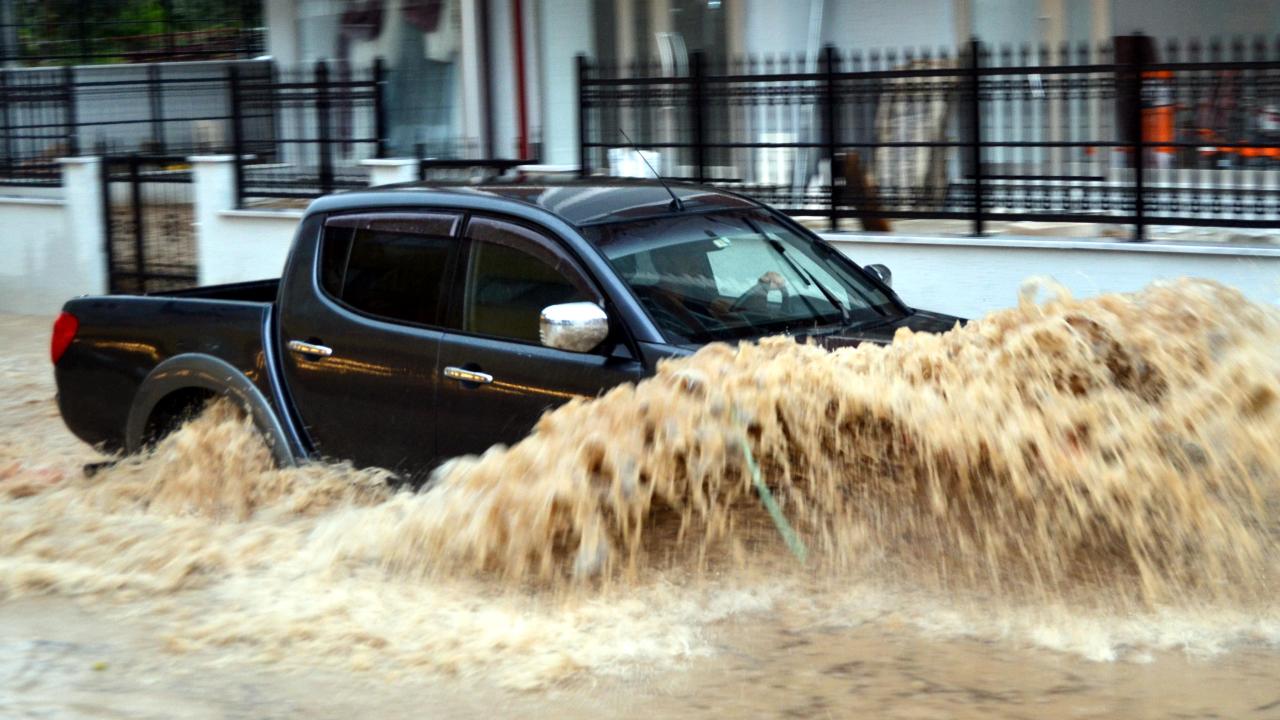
[(311, 350), (468, 376)]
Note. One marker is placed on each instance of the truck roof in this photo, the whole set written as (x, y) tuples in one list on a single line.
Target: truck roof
[(590, 201)]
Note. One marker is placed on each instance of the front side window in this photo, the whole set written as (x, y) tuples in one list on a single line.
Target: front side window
[(724, 276), (394, 269), (514, 273)]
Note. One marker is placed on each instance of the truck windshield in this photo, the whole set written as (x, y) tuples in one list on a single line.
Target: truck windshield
[(725, 276)]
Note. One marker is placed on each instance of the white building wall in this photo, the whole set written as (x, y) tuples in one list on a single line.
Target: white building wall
[(282, 31), (565, 31), (864, 24), (503, 93), (1010, 23), (774, 27), (1200, 19)]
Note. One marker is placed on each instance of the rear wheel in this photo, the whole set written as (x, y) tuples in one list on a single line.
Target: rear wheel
[(174, 411)]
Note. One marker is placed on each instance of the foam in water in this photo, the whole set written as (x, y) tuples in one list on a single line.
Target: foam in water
[(1103, 471)]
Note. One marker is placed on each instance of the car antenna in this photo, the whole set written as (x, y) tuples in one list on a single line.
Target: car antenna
[(675, 200)]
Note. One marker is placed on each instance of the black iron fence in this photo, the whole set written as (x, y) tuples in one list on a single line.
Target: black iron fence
[(37, 126), (158, 110), (295, 134), (323, 121), (1130, 132)]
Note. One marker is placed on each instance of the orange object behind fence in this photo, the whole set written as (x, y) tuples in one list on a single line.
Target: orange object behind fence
[(1158, 111)]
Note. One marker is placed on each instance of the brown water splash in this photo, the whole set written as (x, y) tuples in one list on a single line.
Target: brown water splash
[(1124, 444), (1106, 453)]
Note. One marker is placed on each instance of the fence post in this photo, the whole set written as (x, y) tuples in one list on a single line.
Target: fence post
[(975, 138), (7, 161), (237, 133), (584, 165), (69, 110), (139, 244), (156, 101), (831, 136), (323, 133), (379, 106), (1137, 63), (697, 82), (85, 266), (83, 36), (104, 187), (218, 254)]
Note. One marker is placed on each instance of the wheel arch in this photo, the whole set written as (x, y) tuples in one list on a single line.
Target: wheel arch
[(181, 378)]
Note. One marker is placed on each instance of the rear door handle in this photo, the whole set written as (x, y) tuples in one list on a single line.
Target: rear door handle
[(310, 349), (468, 376)]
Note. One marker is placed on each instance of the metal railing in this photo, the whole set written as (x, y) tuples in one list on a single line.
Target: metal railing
[(294, 134), (324, 121), (1124, 133), (157, 110)]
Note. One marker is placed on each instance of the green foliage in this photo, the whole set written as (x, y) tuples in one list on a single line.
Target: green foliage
[(105, 31)]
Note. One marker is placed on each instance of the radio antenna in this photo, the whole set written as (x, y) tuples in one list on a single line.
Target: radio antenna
[(675, 200)]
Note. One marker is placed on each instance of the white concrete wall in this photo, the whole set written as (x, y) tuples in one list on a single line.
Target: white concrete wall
[(239, 245), (970, 276), (235, 245), (246, 245), (53, 248), (31, 242)]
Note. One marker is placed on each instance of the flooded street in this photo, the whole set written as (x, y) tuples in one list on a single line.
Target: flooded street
[(60, 659), (199, 582)]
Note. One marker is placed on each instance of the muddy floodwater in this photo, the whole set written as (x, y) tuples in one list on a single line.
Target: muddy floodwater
[(1067, 510)]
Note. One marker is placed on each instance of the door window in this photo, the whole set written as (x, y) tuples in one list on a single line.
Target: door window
[(512, 275), (394, 268)]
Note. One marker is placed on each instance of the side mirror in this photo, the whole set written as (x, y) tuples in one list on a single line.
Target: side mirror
[(575, 326), (881, 273)]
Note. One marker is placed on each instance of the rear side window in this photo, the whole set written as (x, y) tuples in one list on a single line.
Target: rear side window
[(334, 251), (392, 268), (512, 275)]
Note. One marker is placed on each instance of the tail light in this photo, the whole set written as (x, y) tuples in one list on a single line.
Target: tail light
[(64, 331)]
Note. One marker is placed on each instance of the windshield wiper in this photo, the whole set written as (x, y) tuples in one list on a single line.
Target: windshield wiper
[(809, 278)]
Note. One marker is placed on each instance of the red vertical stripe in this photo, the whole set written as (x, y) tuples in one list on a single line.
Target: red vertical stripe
[(522, 108)]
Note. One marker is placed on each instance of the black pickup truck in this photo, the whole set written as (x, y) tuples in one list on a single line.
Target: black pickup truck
[(414, 324)]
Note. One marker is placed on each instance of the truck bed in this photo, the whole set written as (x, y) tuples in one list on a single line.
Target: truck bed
[(122, 338)]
